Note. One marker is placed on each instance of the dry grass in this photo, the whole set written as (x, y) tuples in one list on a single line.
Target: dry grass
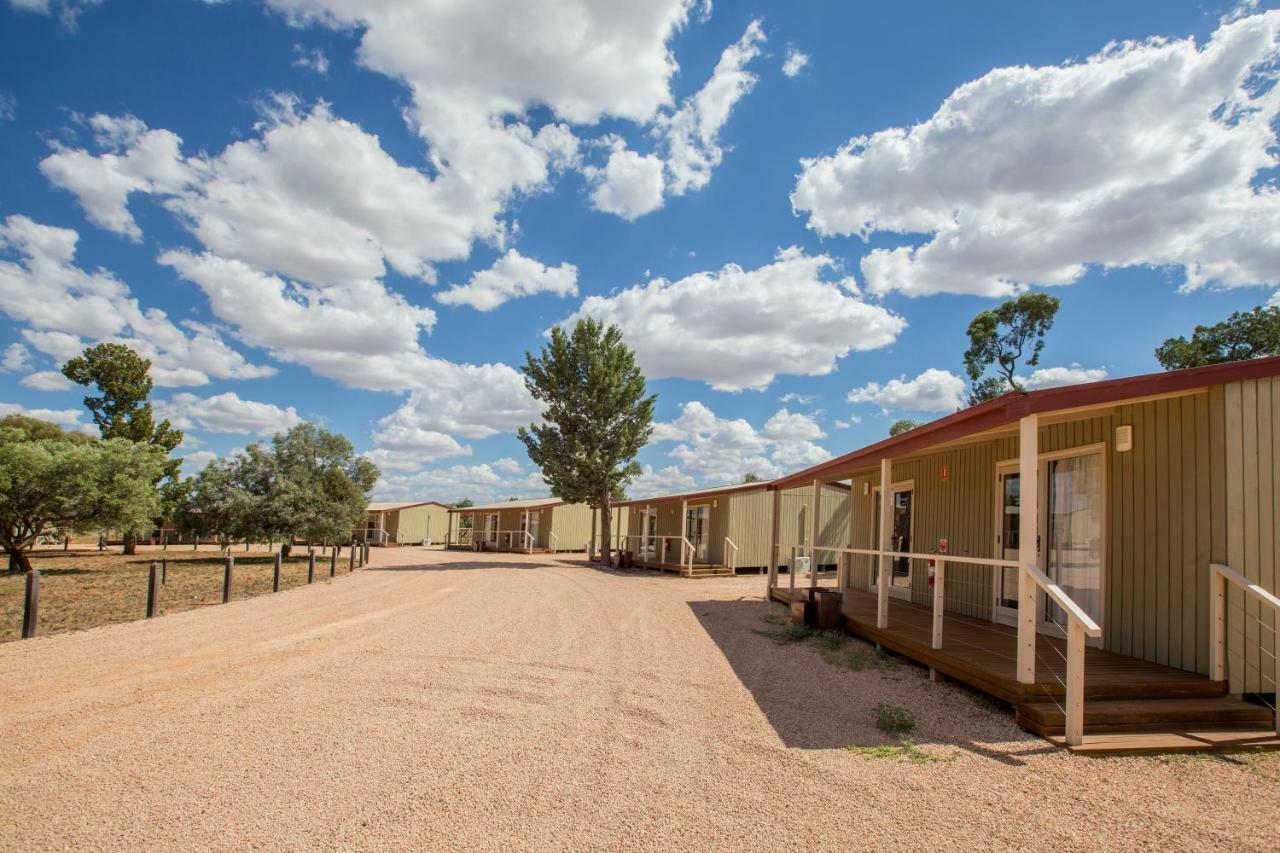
[(88, 588)]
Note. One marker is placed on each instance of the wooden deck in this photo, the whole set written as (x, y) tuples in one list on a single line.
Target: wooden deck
[(700, 570), (1124, 696)]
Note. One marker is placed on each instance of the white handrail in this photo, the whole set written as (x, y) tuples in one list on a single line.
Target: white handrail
[(554, 541), (685, 543), (1064, 601), (729, 543), (1219, 574)]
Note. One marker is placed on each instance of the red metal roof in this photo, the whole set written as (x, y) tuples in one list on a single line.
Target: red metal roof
[(1011, 407)]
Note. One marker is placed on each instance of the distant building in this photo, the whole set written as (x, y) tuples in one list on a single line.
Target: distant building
[(404, 523)]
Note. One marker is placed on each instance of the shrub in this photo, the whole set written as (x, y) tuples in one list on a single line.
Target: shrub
[(788, 633), (906, 749), (830, 641), (894, 719)]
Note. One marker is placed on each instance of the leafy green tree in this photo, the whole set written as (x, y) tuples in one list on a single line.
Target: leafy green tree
[(999, 337), (34, 429), (51, 486), (1243, 335), (321, 486), (900, 426), (214, 502), (596, 418), (752, 477), (122, 410), (987, 388), (464, 503)]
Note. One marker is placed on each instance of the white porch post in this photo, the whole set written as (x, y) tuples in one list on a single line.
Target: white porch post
[(815, 504), (886, 530), (617, 529), (773, 543), (448, 530), (684, 532), (1028, 523), (647, 532)]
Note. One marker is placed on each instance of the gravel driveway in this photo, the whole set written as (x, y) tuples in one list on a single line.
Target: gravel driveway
[(454, 700)]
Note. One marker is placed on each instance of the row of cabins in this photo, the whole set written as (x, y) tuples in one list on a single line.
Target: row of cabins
[(1100, 556)]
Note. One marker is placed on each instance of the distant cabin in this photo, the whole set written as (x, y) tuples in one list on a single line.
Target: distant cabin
[(531, 526), (404, 523), (725, 530)]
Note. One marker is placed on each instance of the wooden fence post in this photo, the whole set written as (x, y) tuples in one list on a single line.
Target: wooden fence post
[(31, 605), (275, 574), (226, 579), (153, 589), (164, 570), (66, 543), (352, 560), (333, 561)]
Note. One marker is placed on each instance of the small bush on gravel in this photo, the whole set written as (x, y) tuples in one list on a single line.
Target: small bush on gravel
[(894, 719), (906, 749), (830, 641), (861, 658), (787, 633)]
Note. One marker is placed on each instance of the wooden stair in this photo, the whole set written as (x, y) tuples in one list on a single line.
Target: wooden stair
[(707, 571), (1111, 716), (1182, 716)]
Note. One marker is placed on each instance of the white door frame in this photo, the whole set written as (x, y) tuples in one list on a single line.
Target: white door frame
[(491, 531), (897, 486), (706, 532), (1100, 448)]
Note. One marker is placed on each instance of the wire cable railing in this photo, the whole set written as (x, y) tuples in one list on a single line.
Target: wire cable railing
[(1220, 576)]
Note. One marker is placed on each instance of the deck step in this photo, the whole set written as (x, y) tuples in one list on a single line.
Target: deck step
[(1111, 716), (1191, 740), (1176, 685)]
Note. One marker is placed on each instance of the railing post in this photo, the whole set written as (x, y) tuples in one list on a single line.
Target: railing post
[(1028, 529), (275, 570), (1217, 624), (815, 532), (772, 581), (352, 558), (791, 571), (226, 578), (1075, 683), (886, 530), (939, 601), (31, 604), (153, 589)]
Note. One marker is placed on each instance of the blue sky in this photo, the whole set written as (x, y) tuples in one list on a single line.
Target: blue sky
[(301, 209)]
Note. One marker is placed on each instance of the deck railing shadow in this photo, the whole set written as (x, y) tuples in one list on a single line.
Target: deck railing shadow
[(815, 704)]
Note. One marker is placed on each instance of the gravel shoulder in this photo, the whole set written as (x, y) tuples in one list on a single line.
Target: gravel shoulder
[(458, 701)]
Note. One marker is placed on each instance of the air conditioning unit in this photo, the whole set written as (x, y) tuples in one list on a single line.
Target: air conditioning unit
[(802, 564)]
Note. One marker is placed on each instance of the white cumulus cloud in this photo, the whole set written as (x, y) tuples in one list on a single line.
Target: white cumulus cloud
[(64, 308), (1147, 153), (628, 185), (794, 62), (714, 451), (736, 328), (511, 276), (933, 390), (1054, 377), (227, 413)]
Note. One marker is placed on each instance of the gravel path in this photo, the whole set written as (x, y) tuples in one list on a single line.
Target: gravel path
[(452, 700)]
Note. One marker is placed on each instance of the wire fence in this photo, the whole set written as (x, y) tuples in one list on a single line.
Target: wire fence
[(87, 589)]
